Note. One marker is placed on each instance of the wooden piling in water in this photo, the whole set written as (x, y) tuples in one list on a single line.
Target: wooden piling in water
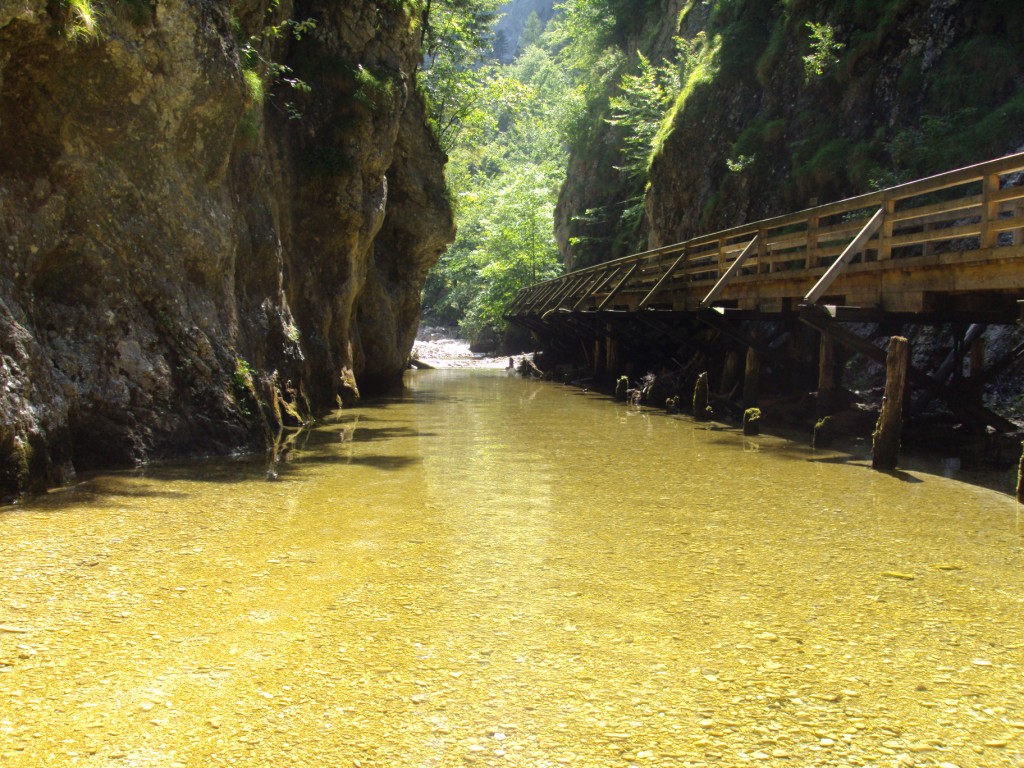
[(885, 447), (1020, 479), (752, 421), (700, 398), (599, 347)]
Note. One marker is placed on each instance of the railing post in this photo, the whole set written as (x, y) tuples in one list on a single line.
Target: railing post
[(989, 210), (885, 233), (1018, 214), (811, 259), (763, 266)]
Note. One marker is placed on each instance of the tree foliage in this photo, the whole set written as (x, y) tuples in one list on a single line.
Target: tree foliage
[(643, 101), (507, 161), (509, 129)]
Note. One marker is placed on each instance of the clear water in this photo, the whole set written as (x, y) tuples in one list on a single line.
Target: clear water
[(499, 572)]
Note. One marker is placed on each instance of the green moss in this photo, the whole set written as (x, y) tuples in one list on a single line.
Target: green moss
[(255, 95), (244, 387), (944, 140), (771, 58), (977, 72), (375, 90), (704, 71)]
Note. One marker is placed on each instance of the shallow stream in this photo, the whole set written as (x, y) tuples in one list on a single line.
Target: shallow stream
[(495, 571)]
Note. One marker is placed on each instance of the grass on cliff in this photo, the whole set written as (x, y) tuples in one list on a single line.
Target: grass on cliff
[(82, 23)]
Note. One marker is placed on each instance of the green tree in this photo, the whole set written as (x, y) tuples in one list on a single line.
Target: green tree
[(532, 30), (505, 171), (457, 43), (824, 50)]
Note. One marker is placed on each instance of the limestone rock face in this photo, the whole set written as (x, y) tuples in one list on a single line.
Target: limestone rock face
[(184, 263)]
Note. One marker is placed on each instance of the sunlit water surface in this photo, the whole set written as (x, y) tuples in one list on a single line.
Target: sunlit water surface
[(504, 572)]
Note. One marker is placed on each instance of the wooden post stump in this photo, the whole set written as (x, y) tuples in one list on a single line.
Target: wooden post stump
[(622, 388), (1020, 479), (889, 429), (701, 410), (752, 421)]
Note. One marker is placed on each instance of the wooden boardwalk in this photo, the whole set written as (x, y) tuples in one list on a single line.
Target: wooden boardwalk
[(948, 248), (952, 243)]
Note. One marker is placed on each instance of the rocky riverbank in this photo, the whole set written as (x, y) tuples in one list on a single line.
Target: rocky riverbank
[(441, 348)]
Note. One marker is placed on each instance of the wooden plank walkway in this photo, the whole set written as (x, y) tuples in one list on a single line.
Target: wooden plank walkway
[(951, 243)]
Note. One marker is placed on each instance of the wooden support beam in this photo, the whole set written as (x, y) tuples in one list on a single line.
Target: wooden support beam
[(885, 445), (522, 299), (701, 411), (839, 265), (751, 378), (720, 323), (817, 317), (828, 376), (611, 353), (664, 279), (730, 273), (618, 287), (888, 226), (811, 242)]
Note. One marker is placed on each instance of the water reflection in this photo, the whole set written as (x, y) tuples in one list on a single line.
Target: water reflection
[(491, 571)]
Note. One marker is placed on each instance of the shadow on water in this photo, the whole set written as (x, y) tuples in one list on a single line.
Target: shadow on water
[(357, 433), (794, 447), (376, 461), (409, 397)]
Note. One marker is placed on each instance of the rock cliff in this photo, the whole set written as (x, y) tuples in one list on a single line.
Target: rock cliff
[(195, 252)]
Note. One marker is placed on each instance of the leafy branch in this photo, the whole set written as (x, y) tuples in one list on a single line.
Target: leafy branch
[(260, 70), (824, 50)]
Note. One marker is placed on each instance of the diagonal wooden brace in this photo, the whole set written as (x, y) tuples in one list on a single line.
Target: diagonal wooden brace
[(839, 265), (731, 272)]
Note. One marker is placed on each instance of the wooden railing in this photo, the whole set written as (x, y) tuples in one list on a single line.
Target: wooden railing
[(924, 223)]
